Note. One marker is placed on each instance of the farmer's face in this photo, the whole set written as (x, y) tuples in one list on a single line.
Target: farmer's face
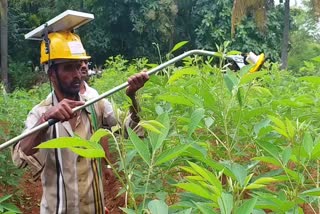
[(84, 70), (68, 78)]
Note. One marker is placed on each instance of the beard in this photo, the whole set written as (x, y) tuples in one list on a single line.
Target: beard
[(70, 90)]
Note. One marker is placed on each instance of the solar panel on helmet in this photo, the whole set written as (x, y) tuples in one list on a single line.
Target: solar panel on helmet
[(66, 21)]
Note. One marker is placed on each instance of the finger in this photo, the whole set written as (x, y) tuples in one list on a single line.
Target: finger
[(67, 107), (58, 116), (73, 103), (143, 77), (64, 115), (133, 82), (137, 81), (129, 80)]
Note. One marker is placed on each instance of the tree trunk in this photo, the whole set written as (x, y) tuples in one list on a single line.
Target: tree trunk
[(4, 43), (285, 39), (269, 4)]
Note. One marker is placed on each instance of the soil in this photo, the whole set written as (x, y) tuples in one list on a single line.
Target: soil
[(28, 197)]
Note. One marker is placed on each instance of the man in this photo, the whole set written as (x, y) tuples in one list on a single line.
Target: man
[(71, 184)]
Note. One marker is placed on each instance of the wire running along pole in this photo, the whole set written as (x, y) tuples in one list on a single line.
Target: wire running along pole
[(106, 94)]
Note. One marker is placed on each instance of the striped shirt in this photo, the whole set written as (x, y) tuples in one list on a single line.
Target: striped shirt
[(71, 184)]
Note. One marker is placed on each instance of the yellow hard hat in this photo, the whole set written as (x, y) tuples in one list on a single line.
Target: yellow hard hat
[(257, 64), (63, 46)]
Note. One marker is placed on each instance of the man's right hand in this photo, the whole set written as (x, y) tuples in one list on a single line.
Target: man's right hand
[(62, 111)]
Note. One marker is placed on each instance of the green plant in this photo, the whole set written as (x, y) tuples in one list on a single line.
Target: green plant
[(7, 207), (216, 141)]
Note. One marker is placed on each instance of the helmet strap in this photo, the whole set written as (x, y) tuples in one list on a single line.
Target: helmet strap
[(47, 48)]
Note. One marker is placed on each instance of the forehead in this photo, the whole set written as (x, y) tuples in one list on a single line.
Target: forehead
[(69, 65)]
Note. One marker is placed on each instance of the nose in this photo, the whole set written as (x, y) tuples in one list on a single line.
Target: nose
[(83, 64), (76, 72)]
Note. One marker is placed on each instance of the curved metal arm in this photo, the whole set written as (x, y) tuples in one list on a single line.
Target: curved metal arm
[(106, 94)]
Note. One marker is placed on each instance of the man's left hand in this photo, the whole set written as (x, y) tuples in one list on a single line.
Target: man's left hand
[(136, 82)]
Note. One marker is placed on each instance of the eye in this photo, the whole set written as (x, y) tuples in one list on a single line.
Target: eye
[(84, 61), (72, 67), (68, 67), (78, 66)]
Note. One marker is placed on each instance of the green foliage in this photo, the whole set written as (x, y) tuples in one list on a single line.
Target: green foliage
[(86, 148), (13, 110), (7, 207), (132, 27), (304, 42), (23, 76), (216, 141)]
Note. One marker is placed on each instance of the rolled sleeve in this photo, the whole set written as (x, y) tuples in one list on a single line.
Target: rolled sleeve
[(20, 159)]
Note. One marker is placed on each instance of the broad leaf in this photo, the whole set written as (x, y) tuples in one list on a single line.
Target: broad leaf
[(233, 52), (290, 128), (195, 119), (278, 122), (308, 143), (209, 177), (150, 127), (205, 208), (4, 198), (316, 59), (158, 207), (311, 192), (231, 80), (89, 153), (141, 147), (196, 189), (174, 99), (171, 153), (311, 79), (182, 72), (99, 134), (158, 139), (238, 171), (249, 77), (270, 148), (64, 142), (225, 203), (246, 207), (11, 207), (270, 160), (178, 46)]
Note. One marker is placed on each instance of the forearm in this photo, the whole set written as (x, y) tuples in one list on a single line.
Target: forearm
[(134, 109)]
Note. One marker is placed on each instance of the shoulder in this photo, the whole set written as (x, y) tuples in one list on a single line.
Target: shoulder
[(89, 92), (92, 92)]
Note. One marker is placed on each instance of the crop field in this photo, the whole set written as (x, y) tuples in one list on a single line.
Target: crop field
[(216, 141)]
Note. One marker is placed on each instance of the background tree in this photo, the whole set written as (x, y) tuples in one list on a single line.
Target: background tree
[(255, 26), (131, 27), (4, 43), (285, 38)]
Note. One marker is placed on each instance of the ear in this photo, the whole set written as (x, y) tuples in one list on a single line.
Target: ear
[(52, 74)]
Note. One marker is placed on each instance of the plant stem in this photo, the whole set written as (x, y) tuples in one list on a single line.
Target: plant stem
[(148, 178)]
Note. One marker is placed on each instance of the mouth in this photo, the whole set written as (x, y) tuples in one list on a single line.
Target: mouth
[(76, 84)]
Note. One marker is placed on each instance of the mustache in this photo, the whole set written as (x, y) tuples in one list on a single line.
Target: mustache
[(76, 81)]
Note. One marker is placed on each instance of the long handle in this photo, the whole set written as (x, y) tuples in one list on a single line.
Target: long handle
[(106, 94)]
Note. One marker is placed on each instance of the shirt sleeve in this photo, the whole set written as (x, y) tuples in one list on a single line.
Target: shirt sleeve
[(109, 117), (35, 161)]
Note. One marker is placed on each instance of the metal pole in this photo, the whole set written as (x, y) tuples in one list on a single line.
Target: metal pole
[(106, 94)]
